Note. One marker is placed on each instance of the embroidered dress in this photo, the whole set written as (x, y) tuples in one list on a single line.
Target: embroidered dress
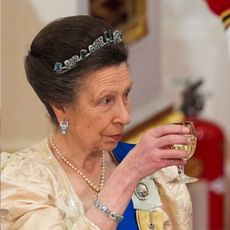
[(37, 194)]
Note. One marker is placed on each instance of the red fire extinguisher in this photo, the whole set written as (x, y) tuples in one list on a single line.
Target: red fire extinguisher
[(209, 155)]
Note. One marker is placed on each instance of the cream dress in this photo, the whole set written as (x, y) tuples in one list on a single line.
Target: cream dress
[(36, 194)]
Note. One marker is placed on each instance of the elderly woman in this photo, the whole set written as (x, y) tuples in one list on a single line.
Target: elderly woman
[(83, 177)]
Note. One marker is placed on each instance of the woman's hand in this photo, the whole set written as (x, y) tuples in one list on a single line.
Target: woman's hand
[(153, 152)]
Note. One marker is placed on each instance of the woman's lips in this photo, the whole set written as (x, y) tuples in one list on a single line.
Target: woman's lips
[(116, 137)]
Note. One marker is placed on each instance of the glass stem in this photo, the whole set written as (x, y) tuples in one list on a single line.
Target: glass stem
[(181, 171)]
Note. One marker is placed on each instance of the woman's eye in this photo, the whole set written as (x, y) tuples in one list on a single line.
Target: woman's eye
[(106, 101), (126, 94)]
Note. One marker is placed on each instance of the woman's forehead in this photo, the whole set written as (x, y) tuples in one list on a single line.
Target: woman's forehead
[(109, 76)]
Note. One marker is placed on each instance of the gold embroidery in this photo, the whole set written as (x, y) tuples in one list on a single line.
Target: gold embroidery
[(150, 220)]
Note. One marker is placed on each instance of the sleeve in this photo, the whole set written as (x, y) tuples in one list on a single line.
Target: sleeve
[(175, 198), (28, 198)]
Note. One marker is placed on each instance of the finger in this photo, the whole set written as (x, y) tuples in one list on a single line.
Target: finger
[(169, 129), (170, 140), (173, 154)]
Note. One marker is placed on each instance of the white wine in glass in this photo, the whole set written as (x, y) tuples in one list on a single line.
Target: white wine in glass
[(190, 149)]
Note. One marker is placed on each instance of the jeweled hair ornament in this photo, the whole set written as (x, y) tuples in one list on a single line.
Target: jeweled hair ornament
[(107, 39)]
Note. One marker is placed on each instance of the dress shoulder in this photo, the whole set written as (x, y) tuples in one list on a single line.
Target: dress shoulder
[(34, 188)]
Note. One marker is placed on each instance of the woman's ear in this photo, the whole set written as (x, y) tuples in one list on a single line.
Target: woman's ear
[(59, 111)]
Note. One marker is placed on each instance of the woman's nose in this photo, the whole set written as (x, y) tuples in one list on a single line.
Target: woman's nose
[(123, 114)]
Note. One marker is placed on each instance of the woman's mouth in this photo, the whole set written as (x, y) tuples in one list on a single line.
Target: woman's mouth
[(116, 137)]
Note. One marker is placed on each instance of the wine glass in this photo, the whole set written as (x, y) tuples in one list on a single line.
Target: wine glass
[(190, 149)]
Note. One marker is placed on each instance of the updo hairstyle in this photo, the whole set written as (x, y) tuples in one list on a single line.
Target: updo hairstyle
[(59, 41)]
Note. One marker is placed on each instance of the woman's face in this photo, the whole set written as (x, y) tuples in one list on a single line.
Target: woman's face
[(97, 119)]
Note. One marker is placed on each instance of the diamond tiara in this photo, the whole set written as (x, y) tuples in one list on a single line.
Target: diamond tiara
[(107, 38)]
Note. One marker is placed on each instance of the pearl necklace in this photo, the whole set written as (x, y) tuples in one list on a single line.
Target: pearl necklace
[(87, 180)]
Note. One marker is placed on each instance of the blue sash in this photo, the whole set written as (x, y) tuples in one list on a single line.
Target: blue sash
[(129, 222)]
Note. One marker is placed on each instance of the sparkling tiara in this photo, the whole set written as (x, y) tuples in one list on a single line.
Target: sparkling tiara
[(106, 39)]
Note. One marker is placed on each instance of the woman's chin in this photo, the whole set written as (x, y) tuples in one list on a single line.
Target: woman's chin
[(109, 146)]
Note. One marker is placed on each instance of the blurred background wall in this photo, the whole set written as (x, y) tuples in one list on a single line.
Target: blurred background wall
[(188, 39)]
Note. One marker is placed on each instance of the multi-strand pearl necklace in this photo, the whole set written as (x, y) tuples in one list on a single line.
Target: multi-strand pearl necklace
[(87, 180)]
